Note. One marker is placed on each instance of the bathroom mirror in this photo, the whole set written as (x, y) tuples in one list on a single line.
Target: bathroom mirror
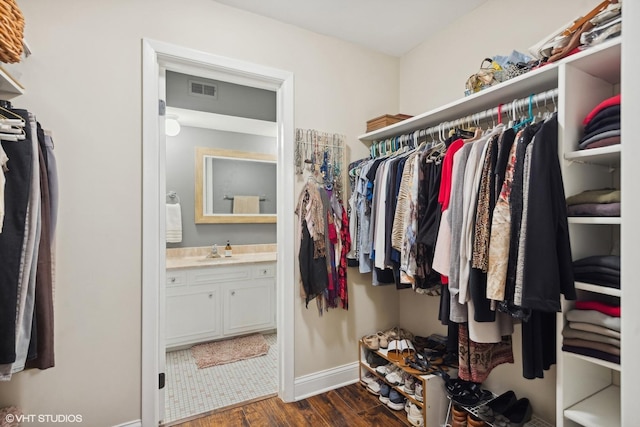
[(234, 186)]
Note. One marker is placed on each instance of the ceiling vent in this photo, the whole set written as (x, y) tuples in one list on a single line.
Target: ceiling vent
[(203, 89)]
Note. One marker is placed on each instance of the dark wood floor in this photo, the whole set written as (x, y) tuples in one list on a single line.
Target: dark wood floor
[(347, 406)]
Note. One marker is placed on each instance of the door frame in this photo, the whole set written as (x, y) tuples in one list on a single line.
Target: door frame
[(157, 56)]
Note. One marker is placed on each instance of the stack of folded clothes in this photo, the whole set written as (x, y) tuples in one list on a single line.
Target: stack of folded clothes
[(603, 270), (602, 125), (602, 202), (593, 329)]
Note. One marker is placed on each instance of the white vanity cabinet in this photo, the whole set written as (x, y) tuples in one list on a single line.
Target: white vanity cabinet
[(213, 302)]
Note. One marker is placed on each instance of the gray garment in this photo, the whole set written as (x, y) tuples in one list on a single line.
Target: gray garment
[(598, 137), (28, 265), (526, 174), (589, 327), (594, 209), (364, 220), (52, 172), (569, 332), (458, 312), (595, 318)]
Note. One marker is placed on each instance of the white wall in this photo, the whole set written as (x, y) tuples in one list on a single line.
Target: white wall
[(433, 74), (84, 82)]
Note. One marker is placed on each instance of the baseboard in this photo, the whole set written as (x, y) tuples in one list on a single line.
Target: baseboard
[(136, 423), (323, 381)]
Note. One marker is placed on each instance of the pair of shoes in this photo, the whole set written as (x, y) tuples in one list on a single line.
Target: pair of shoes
[(497, 406), (395, 377), (507, 411), (398, 334), (464, 393), (396, 400), (399, 349), (414, 415), (367, 378), (410, 385), (374, 387), (417, 393), (372, 342), (385, 389), (450, 359), (374, 359)]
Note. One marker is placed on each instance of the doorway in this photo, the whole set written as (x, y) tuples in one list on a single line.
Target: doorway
[(158, 58)]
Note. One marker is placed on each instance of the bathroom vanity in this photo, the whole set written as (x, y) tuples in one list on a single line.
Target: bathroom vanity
[(213, 298)]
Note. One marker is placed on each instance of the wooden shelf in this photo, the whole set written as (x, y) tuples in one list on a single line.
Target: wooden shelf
[(597, 410), (603, 156), (605, 220), (604, 290)]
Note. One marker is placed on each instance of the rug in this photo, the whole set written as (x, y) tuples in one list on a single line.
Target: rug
[(227, 351)]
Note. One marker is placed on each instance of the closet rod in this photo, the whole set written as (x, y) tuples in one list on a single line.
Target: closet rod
[(510, 108)]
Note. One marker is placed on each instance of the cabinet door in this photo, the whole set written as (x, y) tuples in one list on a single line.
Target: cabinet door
[(193, 317), (249, 307)]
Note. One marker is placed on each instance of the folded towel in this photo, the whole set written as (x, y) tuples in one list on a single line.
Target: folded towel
[(174, 223), (246, 204)]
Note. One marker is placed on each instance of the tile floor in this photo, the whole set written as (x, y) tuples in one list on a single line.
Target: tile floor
[(191, 391)]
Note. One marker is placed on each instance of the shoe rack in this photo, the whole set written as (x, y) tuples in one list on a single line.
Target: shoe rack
[(434, 399), (474, 412)]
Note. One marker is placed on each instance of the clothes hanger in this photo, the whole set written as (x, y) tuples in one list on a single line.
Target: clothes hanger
[(529, 119)]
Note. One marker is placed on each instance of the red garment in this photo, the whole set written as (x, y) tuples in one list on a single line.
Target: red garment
[(342, 267), (609, 310), (444, 194), (609, 102)]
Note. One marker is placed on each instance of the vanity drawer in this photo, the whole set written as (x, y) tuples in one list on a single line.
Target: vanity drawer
[(264, 270), (176, 278), (218, 274)]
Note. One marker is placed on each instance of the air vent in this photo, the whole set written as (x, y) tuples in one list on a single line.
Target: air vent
[(203, 89)]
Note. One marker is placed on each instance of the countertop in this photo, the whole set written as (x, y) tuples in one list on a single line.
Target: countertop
[(197, 257)]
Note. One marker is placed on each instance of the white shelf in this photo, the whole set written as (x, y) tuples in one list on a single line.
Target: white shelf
[(9, 86), (604, 156), (598, 410), (594, 360), (535, 81), (598, 289), (602, 61), (606, 220)]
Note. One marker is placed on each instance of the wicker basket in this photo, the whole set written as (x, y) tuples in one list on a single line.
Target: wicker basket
[(11, 31)]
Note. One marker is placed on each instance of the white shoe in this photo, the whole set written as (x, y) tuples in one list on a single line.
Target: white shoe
[(385, 369), (394, 378), (410, 385), (418, 391), (415, 416), (374, 387), (367, 379)]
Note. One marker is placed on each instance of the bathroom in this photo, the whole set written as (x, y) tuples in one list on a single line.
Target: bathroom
[(221, 241)]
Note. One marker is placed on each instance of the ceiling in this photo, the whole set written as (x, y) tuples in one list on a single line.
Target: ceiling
[(393, 27)]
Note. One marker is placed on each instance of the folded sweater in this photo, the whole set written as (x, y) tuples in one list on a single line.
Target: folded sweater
[(594, 209), (569, 332), (589, 327), (595, 318), (603, 195), (609, 310), (614, 100)]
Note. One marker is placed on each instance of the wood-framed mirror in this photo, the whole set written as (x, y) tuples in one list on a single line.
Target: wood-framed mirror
[(234, 186)]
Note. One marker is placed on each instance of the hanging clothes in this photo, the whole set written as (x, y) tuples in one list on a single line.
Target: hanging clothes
[(26, 247), (324, 244)]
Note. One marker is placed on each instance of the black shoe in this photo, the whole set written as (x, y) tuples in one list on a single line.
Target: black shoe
[(515, 415), (497, 406)]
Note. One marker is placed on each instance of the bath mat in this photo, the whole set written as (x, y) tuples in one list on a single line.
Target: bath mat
[(227, 351)]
